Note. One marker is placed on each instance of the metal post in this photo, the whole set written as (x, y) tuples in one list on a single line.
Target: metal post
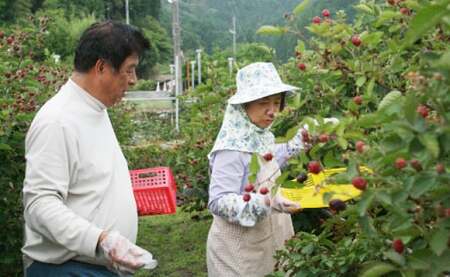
[(127, 14), (193, 73), (230, 65), (177, 57), (199, 67), (234, 36)]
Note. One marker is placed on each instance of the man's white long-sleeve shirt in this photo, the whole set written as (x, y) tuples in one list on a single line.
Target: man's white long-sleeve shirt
[(77, 182)]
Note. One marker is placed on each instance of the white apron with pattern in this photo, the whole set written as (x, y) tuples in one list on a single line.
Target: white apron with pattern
[(233, 250)]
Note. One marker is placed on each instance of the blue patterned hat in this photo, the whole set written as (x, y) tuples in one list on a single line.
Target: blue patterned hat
[(258, 80)]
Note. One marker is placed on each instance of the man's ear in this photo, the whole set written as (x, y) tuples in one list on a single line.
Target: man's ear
[(100, 66)]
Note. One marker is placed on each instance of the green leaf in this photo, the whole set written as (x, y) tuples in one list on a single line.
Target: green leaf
[(425, 19), (360, 81), (300, 7), (254, 168), (271, 30), (364, 8), (410, 108), (395, 257), (431, 143), (376, 269), (438, 241), (420, 259), (444, 61), (386, 16), (389, 99), (5, 147), (422, 184), (372, 39), (365, 202)]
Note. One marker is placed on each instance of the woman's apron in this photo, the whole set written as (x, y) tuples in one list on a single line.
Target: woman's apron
[(234, 250)]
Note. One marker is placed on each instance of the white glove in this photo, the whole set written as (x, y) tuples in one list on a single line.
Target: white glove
[(284, 205), (234, 209), (125, 257)]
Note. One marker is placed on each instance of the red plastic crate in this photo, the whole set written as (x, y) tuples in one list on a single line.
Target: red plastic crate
[(154, 190)]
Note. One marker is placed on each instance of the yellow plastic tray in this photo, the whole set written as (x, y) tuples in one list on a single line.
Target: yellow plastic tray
[(311, 195)]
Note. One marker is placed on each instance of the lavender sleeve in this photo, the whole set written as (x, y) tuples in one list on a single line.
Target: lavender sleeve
[(229, 173)]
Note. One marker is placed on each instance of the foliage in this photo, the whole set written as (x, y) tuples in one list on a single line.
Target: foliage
[(27, 84), (402, 79)]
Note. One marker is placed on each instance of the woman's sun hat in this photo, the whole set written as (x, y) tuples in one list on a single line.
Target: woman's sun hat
[(258, 80)]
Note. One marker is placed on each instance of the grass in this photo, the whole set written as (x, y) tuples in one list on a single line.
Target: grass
[(177, 241)]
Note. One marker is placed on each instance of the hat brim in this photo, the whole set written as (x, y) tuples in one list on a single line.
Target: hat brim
[(241, 98)]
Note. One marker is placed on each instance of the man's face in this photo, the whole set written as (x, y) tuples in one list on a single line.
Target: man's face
[(262, 112), (117, 82)]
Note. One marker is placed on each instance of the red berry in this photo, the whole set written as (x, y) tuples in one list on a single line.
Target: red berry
[(305, 136), (398, 246), (405, 11), (440, 168), (356, 40), (447, 213), (326, 13), (264, 190), (316, 20), (416, 165), (2, 34), (249, 187), (301, 66), (246, 197), (268, 157), (359, 145), (324, 138), (10, 40), (422, 110), (359, 183), (314, 167), (337, 205), (357, 100), (400, 163)]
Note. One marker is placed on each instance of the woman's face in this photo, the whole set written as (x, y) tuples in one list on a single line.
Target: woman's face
[(262, 112)]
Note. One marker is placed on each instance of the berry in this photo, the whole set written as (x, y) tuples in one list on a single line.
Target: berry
[(337, 205), (398, 246), (246, 197), (301, 177), (356, 40), (305, 136), (10, 40), (416, 165), (357, 100), (249, 187), (440, 168), (268, 157), (400, 163), (2, 34), (359, 183), (324, 138), (264, 190), (391, 2), (422, 110), (314, 167), (405, 11), (326, 13), (447, 213), (359, 145), (301, 66), (316, 20)]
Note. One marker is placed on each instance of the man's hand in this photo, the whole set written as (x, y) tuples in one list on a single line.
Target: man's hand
[(124, 256)]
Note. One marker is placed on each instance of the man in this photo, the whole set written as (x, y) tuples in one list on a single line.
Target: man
[(79, 209)]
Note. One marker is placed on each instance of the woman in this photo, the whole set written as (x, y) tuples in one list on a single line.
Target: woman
[(251, 221)]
